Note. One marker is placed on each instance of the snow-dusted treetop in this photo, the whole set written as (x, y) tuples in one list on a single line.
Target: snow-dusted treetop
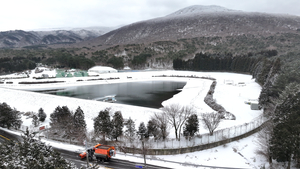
[(198, 9)]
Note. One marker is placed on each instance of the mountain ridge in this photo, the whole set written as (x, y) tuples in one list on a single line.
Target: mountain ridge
[(190, 22), (20, 38), (196, 9), (197, 21)]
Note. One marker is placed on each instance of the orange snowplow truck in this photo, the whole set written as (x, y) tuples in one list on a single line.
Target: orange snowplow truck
[(103, 153)]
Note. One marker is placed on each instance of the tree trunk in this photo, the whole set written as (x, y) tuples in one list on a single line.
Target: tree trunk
[(180, 127), (289, 163), (270, 159), (176, 133)]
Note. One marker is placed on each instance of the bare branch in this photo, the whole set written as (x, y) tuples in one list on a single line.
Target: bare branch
[(263, 142), (177, 116), (211, 121), (162, 124)]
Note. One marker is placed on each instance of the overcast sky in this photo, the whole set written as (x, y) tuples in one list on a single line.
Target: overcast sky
[(38, 14)]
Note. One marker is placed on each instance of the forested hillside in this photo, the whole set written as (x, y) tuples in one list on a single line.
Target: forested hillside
[(157, 55)]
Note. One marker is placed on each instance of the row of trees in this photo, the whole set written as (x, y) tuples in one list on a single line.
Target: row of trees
[(213, 62), (181, 118), (10, 117), (70, 61), (27, 59), (71, 125), (106, 127), (9, 65), (67, 123), (279, 140)]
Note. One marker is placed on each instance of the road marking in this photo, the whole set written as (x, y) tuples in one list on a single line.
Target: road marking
[(4, 137), (101, 167)]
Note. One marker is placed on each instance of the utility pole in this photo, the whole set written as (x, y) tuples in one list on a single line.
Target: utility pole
[(87, 154), (144, 153)]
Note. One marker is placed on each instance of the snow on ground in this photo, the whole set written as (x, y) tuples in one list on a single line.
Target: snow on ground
[(228, 93)]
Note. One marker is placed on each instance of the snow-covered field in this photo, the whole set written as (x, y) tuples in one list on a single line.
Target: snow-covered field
[(228, 93)]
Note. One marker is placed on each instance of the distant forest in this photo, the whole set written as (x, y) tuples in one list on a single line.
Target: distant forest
[(216, 62)]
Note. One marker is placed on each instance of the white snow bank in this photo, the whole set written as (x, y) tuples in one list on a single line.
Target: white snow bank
[(230, 96)]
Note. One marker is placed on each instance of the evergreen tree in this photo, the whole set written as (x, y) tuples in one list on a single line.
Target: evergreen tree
[(263, 74), (79, 124), (142, 130), (102, 123), (191, 126), (9, 117), (62, 120), (130, 131), (284, 143), (31, 153), (290, 88), (118, 124), (35, 120), (42, 115), (152, 129)]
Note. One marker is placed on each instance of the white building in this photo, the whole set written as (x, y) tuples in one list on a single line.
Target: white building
[(101, 69)]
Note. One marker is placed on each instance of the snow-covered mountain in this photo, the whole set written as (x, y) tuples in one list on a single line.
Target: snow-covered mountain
[(196, 9), (20, 38), (199, 21)]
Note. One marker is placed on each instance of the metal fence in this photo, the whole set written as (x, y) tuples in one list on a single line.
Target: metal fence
[(184, 142), (203, 139)]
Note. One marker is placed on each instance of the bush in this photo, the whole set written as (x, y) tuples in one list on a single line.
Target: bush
[(42, 115)]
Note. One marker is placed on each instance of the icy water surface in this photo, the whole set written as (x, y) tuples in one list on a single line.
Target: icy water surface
[(145, 94)]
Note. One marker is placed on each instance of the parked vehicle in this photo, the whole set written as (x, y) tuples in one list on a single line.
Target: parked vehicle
[(90, 151)]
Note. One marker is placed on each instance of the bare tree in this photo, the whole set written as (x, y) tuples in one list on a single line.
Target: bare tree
[(187, 112), (263, 142), (211, 121), (162, 124), (176, 116)]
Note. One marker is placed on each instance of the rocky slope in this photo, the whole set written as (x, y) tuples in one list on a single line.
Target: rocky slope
[(197, 21)]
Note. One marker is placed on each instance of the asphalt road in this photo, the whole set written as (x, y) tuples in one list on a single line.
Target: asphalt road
[(8, 136), (114, 163), (74, 157)]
